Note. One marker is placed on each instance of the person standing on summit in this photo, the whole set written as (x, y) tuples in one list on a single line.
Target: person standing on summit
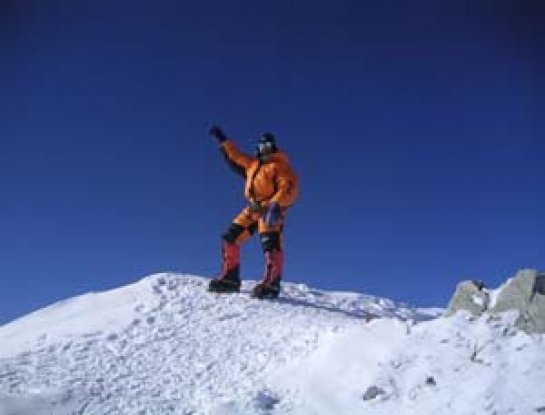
[(271, 188)]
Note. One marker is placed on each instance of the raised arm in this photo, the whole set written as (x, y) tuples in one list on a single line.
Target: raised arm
[(237, 160), (234, 155)]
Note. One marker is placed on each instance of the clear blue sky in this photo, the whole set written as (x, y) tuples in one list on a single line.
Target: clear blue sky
[(417, 129)]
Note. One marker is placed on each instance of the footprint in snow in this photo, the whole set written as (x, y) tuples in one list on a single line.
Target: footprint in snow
[(228, 316)]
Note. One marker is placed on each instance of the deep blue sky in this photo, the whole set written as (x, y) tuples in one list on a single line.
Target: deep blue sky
[(417, 129)]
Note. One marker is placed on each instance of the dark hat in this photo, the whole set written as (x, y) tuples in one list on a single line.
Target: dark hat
[(267, 138), (266, 144)]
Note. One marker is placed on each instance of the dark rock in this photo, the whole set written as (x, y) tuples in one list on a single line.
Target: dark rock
[(430, 381), (266, 400), (373, 392)]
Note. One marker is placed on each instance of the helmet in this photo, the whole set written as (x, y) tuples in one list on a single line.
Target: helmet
[(266, 144)]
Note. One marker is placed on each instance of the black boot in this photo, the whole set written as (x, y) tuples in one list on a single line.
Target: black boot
[(224, 285), (269, 287), (266, 291), (229, 280)]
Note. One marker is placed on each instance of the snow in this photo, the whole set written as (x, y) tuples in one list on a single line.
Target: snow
[(474, 367), (85, 315), (480, 301), (494, 293), (165, 346)]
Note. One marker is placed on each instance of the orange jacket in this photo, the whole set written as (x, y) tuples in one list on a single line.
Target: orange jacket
[(269, 182)]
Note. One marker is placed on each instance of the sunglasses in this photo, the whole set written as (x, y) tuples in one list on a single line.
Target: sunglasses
[(265, 147)]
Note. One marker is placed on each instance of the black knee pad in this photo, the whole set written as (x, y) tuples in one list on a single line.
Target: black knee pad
[(270, 241), (234, 231), (252, 228)]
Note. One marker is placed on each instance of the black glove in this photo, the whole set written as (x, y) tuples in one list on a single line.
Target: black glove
[(217, 133)]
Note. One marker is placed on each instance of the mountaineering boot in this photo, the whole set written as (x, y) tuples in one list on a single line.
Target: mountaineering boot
[(266, 291), (229, 279), (269, 287)]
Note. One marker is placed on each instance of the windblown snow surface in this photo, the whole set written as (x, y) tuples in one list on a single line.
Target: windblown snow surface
[(165, 346)]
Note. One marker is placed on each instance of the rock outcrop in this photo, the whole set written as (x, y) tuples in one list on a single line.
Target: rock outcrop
[(524, 293), (470, 296)]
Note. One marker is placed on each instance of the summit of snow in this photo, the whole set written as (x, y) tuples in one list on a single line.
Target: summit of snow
[(92, 314), (166, 346)]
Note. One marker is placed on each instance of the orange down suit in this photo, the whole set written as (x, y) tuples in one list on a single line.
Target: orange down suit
[(273, 181)]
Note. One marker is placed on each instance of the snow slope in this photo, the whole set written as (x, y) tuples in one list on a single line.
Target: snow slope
[(165, 346)]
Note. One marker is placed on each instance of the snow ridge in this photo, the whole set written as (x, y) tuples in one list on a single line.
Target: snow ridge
[(166, 346)]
